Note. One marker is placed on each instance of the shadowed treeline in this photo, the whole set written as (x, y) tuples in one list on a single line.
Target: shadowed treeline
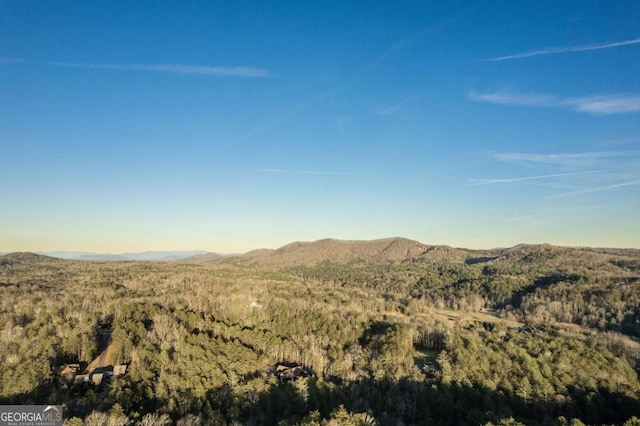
[(414, 402)]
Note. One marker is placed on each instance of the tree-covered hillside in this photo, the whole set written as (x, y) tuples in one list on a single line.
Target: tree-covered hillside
[(532, 334)]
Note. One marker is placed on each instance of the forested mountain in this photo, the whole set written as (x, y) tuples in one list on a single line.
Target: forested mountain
[(25, 258), (383, 332), (390, 250)]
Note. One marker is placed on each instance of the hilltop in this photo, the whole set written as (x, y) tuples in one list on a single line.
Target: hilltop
[(205, 257), (27, 257), (388, 250)]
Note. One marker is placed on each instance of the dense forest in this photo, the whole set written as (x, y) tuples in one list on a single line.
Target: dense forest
[(386, 332)]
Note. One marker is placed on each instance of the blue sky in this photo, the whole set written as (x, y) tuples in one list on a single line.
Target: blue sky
[(228, 126)]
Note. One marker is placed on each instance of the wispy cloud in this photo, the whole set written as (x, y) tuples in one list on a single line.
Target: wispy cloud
[(549, 212), (556, 50), (583, 159), (390, 110), (394, 109), (476, 182), (506, 97), (410, 40), (347, 81), (605, 104), (619, 103), (5, 60), (600, 188), (302, 172), (223, 71), (606, 170)]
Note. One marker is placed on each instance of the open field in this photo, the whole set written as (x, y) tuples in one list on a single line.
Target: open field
[(460, 316)]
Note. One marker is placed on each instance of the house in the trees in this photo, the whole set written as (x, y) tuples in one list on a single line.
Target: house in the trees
[(69, 374), (431, 368), (286, 372)]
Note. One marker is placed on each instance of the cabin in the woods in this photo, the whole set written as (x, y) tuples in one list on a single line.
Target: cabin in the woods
[(69, 374), (286, 372), (431, 368)]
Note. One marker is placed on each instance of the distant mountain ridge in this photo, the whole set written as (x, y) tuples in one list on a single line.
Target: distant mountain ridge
[(382, 251), (102, 258), (163, 255), (139, 256)]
